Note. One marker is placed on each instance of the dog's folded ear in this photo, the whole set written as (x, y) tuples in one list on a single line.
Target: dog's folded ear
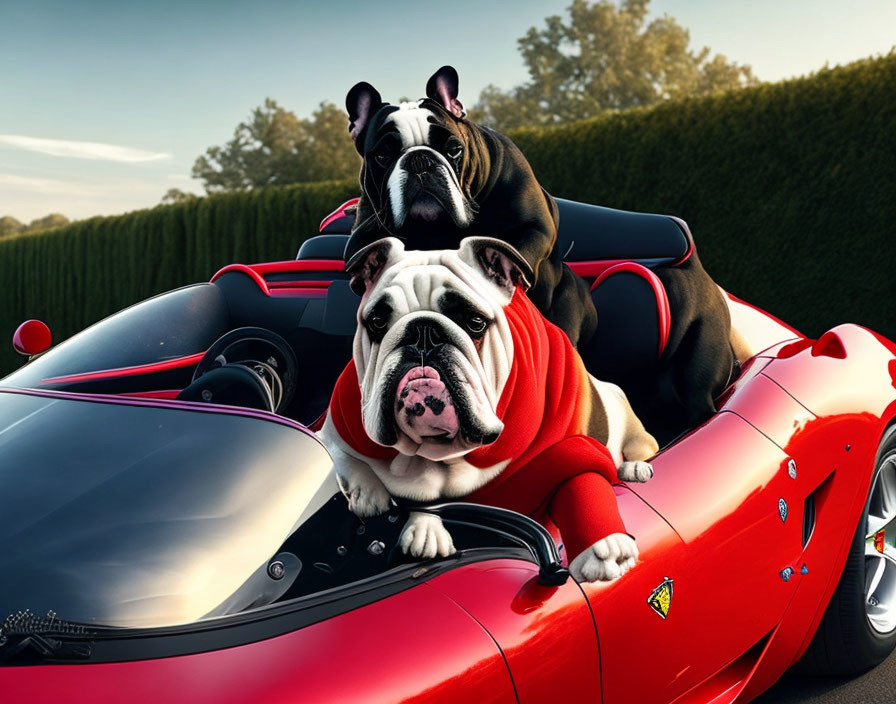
[(443, 87), (499, 262), (366, 266), (362, 101)]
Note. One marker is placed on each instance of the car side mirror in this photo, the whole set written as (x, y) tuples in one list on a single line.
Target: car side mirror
[(32, 337)]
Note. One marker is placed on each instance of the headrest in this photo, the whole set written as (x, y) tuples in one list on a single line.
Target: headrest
[(323, 247), (592, 233)]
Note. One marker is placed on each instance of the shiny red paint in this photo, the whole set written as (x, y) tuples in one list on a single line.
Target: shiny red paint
[(136, 370), (664, 316), (442, 655), (743, 623), (164, 393), (710, 521), (546, 633), (32, 337)]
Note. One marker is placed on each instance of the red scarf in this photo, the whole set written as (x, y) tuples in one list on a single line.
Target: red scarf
[(545, 407)]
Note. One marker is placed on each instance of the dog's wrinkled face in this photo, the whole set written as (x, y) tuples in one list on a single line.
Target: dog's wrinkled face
[(415, 154), (433, 348)]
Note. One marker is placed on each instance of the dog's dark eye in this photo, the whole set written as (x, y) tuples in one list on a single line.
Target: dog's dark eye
[(454, 151), (381, 159), (476, 324), (377, 322)]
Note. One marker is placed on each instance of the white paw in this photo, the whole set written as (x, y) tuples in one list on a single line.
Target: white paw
[(635, 471), (425, 536), (366, 497), (606, 560)]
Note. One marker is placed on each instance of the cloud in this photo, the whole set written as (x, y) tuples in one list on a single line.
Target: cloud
[(81, 150)]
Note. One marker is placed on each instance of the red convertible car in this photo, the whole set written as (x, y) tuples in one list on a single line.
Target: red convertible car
[(171, 531)]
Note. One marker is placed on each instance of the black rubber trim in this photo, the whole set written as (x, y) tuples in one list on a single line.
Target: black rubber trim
[(516, 526), (122, 645)]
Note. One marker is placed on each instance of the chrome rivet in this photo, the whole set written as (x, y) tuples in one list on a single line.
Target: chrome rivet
[(207, 395), (360, 530), (276, 570), (787, 573), (782, 510), (848, 448), (804, 570), (376, 547), (342, 551), (393, 518), (791, 469)]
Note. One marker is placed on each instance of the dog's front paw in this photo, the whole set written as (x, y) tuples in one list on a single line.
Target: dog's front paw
[(425, 536), (635, 471), (366, 496), (606, 560)]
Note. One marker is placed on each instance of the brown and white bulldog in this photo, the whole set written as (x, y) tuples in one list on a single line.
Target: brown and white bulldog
[(459, 387)]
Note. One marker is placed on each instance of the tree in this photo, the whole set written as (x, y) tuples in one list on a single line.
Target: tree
[(274, 147), (605, 58), (175, 195), (9, 226), (46, 223)]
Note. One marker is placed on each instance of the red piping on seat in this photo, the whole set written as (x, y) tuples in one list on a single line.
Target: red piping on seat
[(305, 289), (167, 365), (299, 292), (664, 315), (296, 265), (248, 270), (298, 284), (593, 268), (338, 213)]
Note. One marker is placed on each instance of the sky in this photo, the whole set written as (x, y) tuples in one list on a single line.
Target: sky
[(105, 105)]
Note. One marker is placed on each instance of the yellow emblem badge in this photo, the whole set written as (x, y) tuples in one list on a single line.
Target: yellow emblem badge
[(661, 598)]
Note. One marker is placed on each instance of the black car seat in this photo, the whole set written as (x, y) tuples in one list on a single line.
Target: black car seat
[(615, 250)]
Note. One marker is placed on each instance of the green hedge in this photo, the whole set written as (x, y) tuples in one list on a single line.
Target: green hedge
[(73, 276), (789, 188)]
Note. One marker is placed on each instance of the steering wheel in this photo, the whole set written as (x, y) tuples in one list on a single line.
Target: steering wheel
[(264, 353)]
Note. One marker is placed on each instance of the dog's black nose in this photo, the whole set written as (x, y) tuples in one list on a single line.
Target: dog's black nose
[(418, 162), (425, 337)]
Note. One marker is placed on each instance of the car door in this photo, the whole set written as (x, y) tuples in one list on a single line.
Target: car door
[(546, 633), (708, 590), (416, 646)]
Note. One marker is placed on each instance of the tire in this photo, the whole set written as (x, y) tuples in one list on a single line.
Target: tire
[(858, 630)]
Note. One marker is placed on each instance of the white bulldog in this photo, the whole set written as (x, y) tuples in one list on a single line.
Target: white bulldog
[(443, 355)]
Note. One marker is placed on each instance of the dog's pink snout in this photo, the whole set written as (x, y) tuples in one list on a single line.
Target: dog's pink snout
[(423, 407)]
